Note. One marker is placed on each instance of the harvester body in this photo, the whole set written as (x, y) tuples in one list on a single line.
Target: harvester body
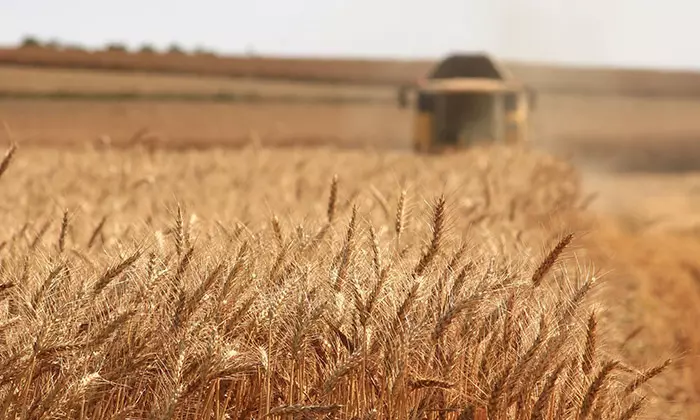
[(467, 103)]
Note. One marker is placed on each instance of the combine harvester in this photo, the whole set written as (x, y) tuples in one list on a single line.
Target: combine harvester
[(469, 100), (624, 117)]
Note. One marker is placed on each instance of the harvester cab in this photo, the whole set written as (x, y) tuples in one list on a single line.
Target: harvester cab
[(469, 100)]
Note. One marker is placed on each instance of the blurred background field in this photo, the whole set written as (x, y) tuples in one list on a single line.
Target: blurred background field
[(280, 101)]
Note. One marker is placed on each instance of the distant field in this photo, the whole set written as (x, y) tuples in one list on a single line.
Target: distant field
[(21, 80), (541, 76), (628, 132), (186, 110), (178, 124), (660, 201), (387, 72)]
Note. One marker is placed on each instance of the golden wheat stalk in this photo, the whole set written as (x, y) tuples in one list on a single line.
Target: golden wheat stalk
[(399, 221), (644, 377), (332, 199), (7, 159), (376, 251), (277, 229), (438, 227), (96, 232), (594, 389), (114, 271), (550, 259), (180, 240), (633, 409), (63, 233), (420, 383), (590, 348), (304, 411), (539, 411)]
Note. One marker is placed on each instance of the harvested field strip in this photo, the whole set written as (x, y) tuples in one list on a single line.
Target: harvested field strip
[(201, 124), (672, 152), (193, 97), (42, 80), (302, 283)]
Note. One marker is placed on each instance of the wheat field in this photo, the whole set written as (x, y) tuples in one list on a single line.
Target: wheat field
[(305, 284), (50, 80)]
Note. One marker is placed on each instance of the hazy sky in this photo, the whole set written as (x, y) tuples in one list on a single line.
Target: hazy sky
[(652, 33)]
